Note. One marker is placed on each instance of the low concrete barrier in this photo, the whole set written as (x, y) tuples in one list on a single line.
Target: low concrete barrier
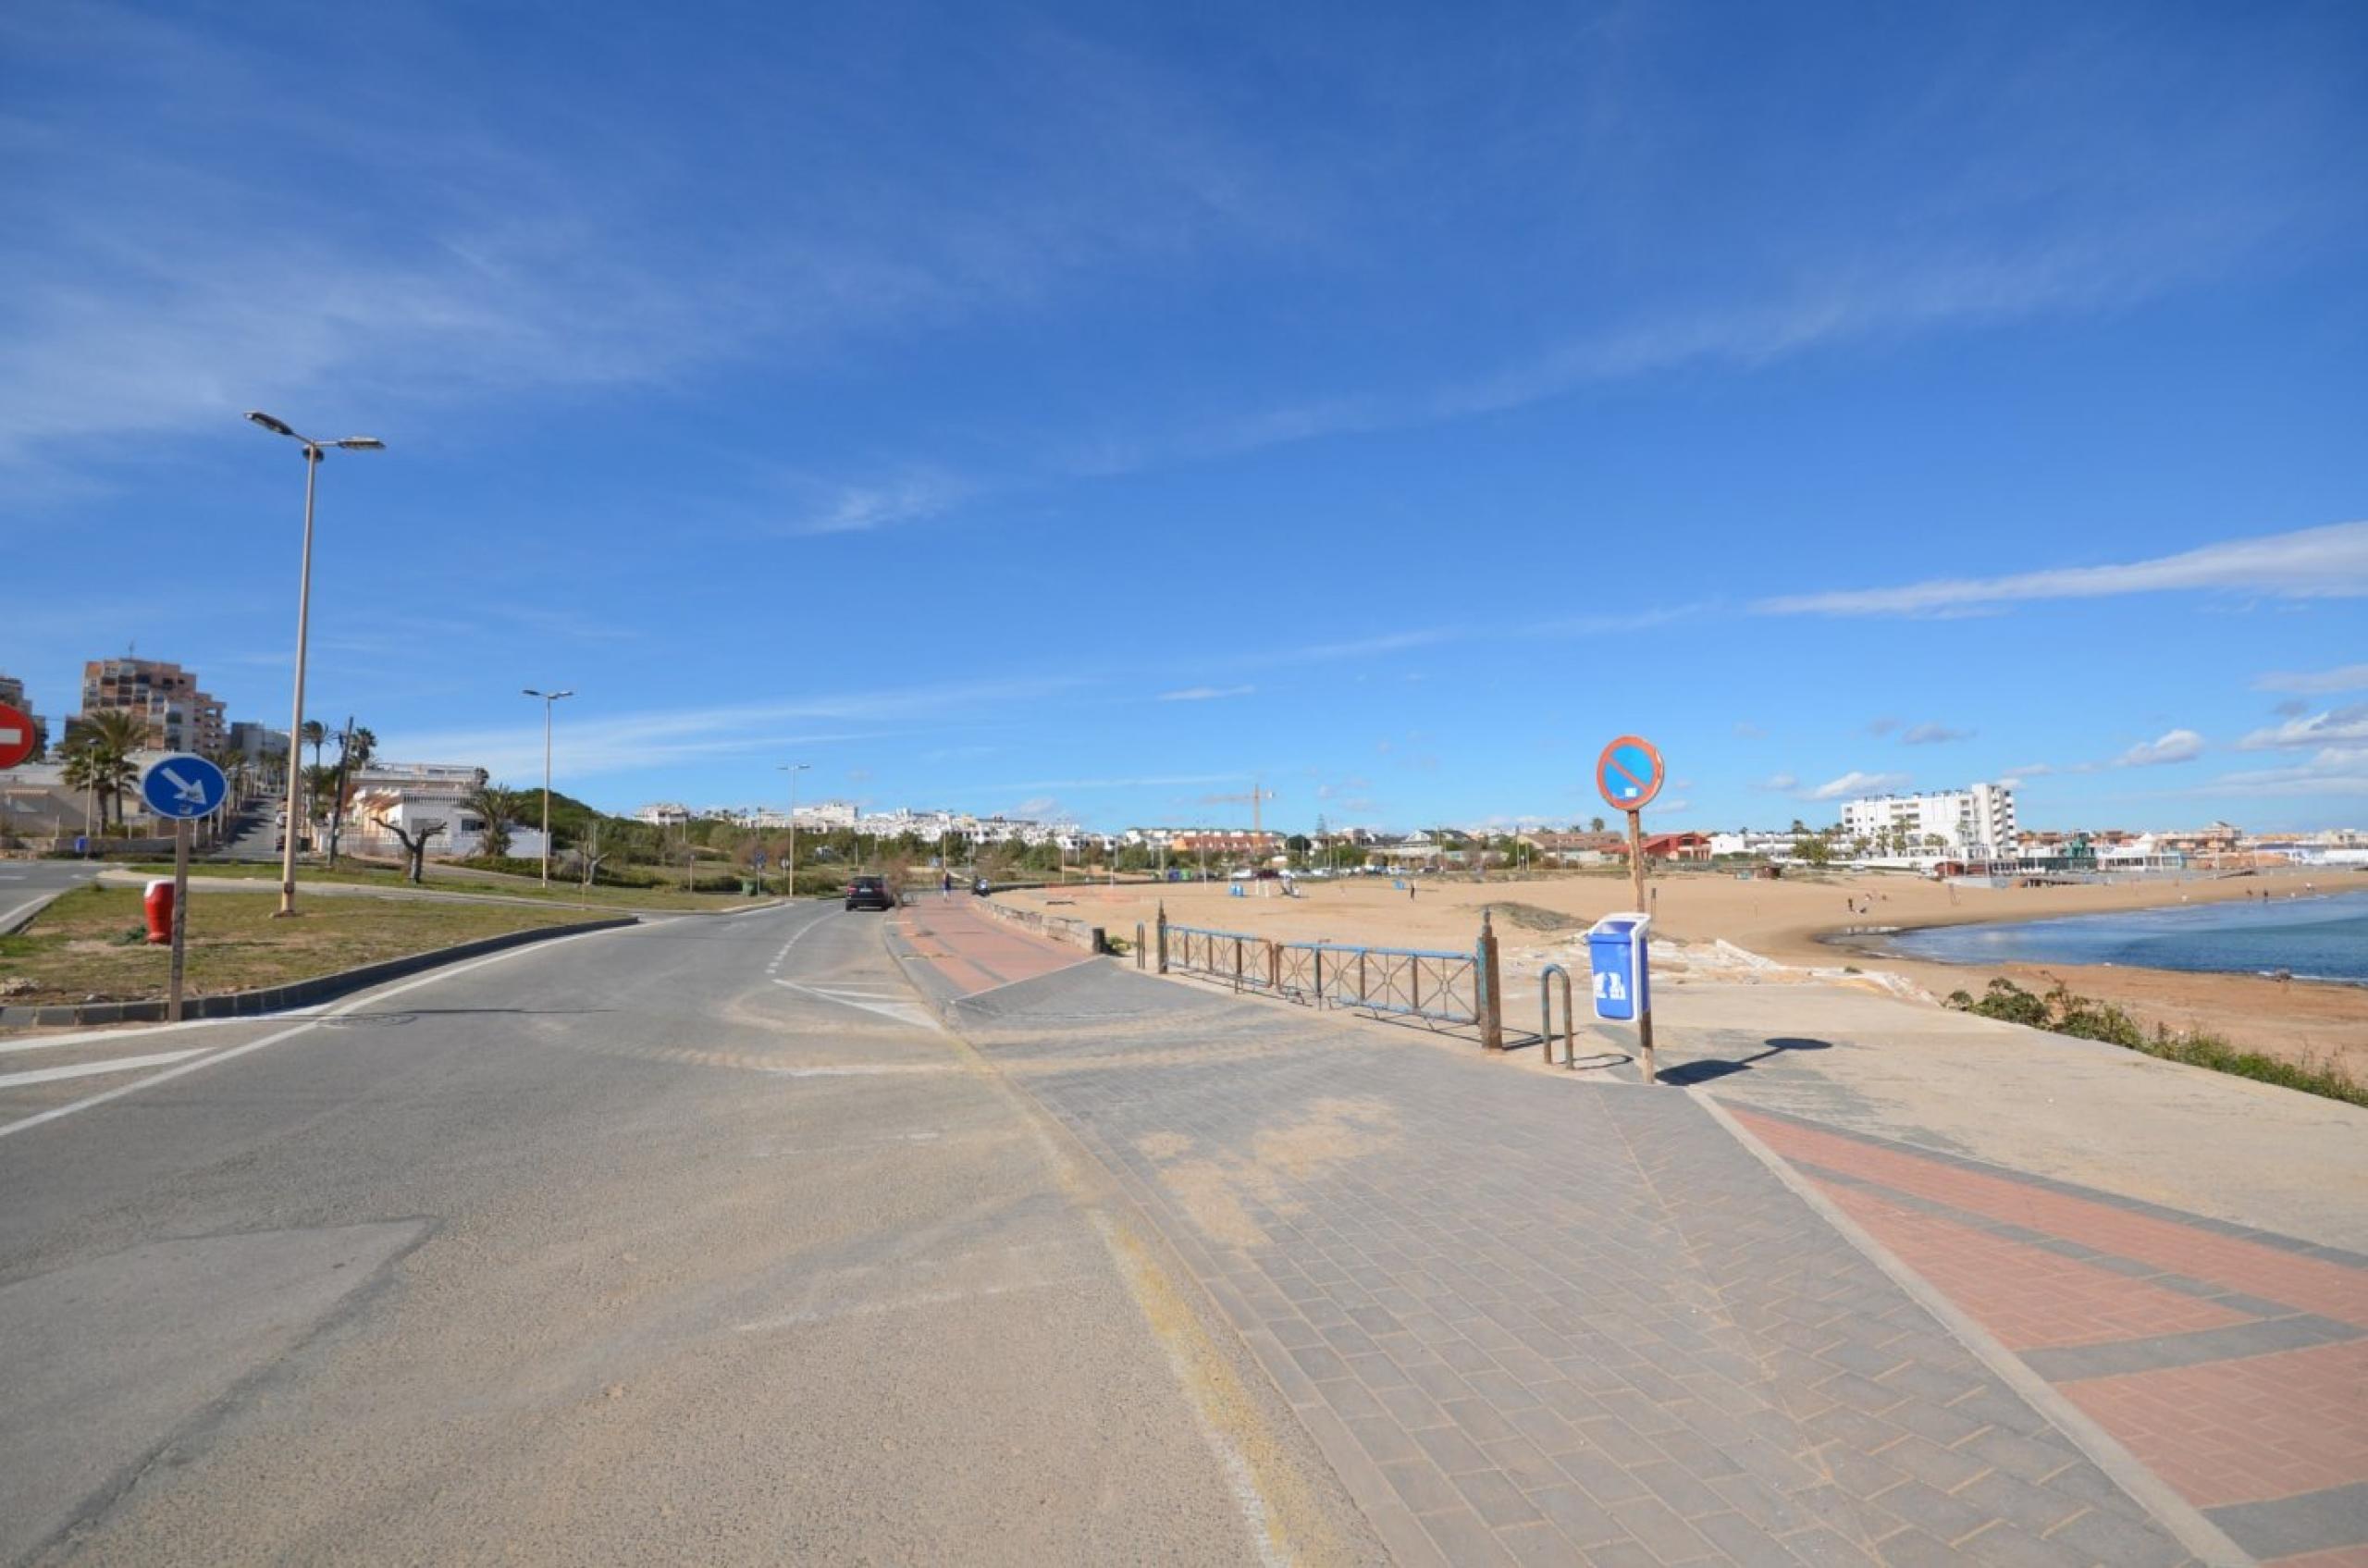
[(1056, 927), (298, 992)]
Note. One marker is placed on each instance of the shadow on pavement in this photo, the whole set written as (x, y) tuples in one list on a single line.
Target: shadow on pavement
[(1704, 1071)]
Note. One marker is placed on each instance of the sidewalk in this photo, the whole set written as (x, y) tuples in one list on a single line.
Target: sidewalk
[(1528, 1319)]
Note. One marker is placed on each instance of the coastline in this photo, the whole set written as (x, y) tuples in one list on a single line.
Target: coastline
[(1793, 922)]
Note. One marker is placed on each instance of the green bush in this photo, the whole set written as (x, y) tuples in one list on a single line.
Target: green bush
[(2083, 1018)]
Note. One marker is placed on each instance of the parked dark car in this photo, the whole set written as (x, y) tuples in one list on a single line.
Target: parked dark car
[(870, 892)]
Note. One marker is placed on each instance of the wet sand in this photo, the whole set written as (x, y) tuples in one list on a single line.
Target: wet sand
[(1796, 922)]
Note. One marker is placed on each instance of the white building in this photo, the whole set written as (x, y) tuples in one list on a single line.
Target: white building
[(387, 796), (663, 814), (1976, 820), (827, 816)]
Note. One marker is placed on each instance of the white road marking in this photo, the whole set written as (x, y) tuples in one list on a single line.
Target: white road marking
[(99, 1036), (903, 1012), (368, 998), (92, 1069), (860, 1070)]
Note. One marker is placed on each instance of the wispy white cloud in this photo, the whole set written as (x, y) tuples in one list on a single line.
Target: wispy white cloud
[(860, 508), (1855, 783), (2337, 770), (1747, 730), (1783, 783), (1142, 782), (2327, 562), (2337, 726), (2315, 682), (593, 743), (1934, 734), (1204, 694), (2174, 746)]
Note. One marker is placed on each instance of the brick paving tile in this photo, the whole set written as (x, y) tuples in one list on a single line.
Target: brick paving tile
[(2025, 1296), (1675, 1360), (2311, 1284), (2278, 1425)]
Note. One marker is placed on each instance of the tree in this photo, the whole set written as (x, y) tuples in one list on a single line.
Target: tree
[(1811, 848), (109, 739), (315, 735), (497, 808), (414, 841), (1595, 824)]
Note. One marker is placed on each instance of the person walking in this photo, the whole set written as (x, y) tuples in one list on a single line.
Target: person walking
[(946, 887)]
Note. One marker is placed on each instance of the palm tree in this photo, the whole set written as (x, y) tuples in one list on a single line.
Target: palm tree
[(315, 735), (497, 808), (356, 749), (110, 738)]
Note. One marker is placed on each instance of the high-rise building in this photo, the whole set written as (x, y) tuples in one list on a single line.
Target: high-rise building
[(1979, 820), (163, 696), (256, 742)]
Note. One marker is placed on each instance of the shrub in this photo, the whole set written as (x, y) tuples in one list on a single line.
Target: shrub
[(2062, 1012)]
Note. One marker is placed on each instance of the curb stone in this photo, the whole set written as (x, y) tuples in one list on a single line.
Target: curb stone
[(299, 992)]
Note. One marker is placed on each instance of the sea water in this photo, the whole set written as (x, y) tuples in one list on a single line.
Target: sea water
[(2317, 938)]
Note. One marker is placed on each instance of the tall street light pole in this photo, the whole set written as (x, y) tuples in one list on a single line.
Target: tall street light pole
[(793, 770), (549, 698), (314, 451)]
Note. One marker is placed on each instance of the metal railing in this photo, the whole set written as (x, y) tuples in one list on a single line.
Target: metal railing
[(1406, 982), (1546, 979)]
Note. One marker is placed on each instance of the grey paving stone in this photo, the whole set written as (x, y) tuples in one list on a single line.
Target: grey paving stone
[(1676, 1333), (2311, 1522)]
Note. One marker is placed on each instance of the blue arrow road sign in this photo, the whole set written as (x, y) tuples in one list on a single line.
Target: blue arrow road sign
[(183, 785)]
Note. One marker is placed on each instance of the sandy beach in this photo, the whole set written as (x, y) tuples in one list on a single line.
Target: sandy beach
[(1796, 922)]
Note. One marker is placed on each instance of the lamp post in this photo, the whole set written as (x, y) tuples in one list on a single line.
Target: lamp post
[(549, 698), (793, 770), (314, 451)]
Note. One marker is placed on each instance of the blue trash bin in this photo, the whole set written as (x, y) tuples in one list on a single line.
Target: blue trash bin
[(1616, 954)]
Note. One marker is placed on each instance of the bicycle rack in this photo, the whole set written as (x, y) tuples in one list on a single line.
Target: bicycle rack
[(1546, 1016)]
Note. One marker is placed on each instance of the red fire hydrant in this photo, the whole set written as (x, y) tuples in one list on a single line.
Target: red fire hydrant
[(159, 902)]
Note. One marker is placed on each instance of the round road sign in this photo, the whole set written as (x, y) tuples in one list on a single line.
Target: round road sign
[(183, 785), (1630, 772), (16, 735)]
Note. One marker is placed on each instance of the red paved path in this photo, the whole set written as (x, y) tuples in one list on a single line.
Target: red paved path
[(975, 952), (2184, 1341)]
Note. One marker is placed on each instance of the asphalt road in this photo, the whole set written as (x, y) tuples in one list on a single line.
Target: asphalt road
[(24, 883), (698, 1242)]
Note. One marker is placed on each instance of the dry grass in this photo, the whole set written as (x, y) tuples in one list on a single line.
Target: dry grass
[(87, 946)]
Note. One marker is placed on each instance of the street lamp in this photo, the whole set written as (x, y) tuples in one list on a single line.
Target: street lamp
[(314, 451), (549, 698), (793, 770)]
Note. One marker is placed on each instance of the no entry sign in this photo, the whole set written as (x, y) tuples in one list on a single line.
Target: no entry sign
[(16, 735), (1629, 772)]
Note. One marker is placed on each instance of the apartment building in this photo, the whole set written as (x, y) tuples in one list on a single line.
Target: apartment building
[(1977, 819), (163, 696)]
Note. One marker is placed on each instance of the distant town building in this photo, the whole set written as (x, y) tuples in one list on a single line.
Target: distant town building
[(257, 742), (663, 814), (1980, 819), (163, 696), (386, 796)]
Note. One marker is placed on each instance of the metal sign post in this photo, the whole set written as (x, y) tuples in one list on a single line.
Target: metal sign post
[(182, 788), (1629, 774), (180, 917)]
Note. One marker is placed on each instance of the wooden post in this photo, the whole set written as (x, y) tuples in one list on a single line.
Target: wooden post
[(1162, 936), (180, 914), (1485, 981), (1636, 887)]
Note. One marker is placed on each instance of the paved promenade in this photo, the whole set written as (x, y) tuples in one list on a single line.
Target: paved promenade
[(1530, 1319)]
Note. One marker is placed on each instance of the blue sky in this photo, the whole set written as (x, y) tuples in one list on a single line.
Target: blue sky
[(1089, 410)]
